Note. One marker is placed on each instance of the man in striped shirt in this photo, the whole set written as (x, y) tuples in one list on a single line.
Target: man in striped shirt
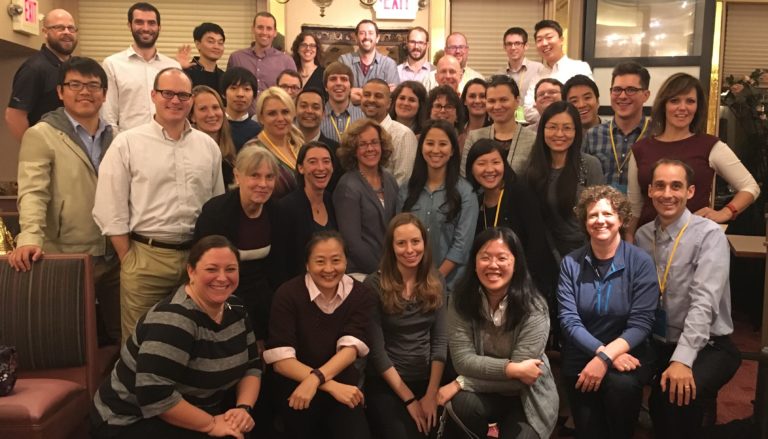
[(339, 111)]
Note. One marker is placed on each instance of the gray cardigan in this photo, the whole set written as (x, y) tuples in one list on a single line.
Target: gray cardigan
[(362, 219), (519, 151), (484, 374)]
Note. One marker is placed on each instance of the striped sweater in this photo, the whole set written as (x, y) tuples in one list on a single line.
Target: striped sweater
[(178, 352)]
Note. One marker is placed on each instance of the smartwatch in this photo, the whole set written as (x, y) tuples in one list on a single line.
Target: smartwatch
[(606, 359)]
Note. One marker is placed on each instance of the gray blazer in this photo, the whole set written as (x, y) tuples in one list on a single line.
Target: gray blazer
[(362, 219), (519, 152)]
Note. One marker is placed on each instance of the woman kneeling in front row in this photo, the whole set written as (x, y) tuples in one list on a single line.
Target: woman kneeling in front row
[(500, 325), (317, 330), (176, 372)]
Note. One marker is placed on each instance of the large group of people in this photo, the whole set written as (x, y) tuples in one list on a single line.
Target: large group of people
[(364, 249)]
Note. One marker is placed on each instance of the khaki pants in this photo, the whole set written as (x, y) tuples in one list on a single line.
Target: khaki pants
[(147, 275), (106, 274)]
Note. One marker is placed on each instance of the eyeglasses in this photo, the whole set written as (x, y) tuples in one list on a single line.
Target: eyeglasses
[(456, 48), (169, 94), (446, 107), (514, 44), (61, 28), (565, 129), (287, 87), (78, 86), (630, 91), (307, 46), (417, 43), (366, 145), (545, 93)]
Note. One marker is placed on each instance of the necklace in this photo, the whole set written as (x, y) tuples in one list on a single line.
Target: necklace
[(279, 153)]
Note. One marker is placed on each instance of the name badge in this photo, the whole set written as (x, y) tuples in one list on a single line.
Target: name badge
[(659, 329)]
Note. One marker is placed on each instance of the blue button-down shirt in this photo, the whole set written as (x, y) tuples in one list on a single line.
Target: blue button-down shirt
[(448, 240), (333, 125), (92, 143), (597, 142)]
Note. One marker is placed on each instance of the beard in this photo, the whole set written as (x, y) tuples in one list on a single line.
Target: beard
[(417, 54), (62, 47), (144, 44)]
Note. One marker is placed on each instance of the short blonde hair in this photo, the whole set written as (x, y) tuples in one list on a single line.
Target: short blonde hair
[(346, 152)]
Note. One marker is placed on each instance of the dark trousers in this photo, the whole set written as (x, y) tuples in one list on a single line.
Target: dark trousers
[(325, 418), (612, 411), (145, 429), (387, 415), (714, 366), (477, 410)]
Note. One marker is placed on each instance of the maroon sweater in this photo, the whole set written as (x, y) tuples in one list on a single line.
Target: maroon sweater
[(693, 151), (297, 322)]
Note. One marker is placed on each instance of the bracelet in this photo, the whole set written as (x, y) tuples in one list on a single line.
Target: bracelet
[(319, 374), (605, 358), (213, 425), (733, 209), (408, 402)]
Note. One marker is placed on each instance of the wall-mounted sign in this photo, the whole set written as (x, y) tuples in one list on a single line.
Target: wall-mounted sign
[(27, 21), (396, 9)]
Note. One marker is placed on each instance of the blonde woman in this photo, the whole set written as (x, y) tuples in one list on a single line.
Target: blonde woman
[(208, 116)]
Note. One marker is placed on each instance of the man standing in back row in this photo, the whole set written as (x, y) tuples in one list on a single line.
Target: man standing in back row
[(153, 183), (367, 62), (34, 90), (456, 45), (416, 66), (519, 68), (132, 71), (261, 59)]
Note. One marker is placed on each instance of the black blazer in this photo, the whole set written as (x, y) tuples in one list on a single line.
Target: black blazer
[(294, 230)]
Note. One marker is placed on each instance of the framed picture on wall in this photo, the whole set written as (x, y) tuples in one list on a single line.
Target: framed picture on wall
[(336, 41)]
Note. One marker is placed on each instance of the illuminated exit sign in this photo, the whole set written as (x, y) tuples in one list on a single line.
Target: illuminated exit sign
[(396, 9), (27, 22)]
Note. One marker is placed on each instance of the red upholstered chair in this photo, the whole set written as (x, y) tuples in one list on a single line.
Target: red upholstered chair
[(49, 314)]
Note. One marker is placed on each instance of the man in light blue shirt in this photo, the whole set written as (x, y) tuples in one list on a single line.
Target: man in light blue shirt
[(367, 62), (695, 356)]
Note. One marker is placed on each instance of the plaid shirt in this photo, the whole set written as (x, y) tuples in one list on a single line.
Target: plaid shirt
[(597, 142)]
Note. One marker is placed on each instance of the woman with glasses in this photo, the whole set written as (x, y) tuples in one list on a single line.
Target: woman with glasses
[(409, 105), (207, 115), (365, 199), (444, 104), (677, 132), (473, 99), (501, 101), (308, 56), (276, 112), (559, 171), (442, 199)]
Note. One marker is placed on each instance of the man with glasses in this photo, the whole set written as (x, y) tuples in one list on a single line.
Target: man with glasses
[(546, 91), (456, 46), (153, 182), (611, 142), (519, 68), (34, 91), (290, 81), (58, 168), (367, 62), (549, 42), (132, 71), (417, 66)]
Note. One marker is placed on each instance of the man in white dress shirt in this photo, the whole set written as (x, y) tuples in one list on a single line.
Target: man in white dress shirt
[(375, 105), (153, 182), (132, 71), (549, 42)]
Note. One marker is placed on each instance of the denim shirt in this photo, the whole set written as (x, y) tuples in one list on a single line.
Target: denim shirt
[(448, 240)]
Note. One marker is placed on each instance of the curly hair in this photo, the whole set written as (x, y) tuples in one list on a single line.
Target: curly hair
[(295, 49), (347, 150), (593, 194)]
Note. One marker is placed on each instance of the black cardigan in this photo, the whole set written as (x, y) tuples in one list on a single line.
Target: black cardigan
[(294, 230), (221, 216)]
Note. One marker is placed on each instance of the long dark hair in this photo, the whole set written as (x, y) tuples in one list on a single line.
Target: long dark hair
[(295, 49), (522, 296), (474, 81), (540, 166), (421, 96), (483, 147), (419, 176)]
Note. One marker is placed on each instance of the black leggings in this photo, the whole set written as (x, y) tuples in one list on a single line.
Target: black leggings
[(388, 416)]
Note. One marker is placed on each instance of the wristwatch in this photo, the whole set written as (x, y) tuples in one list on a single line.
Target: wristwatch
[(245, 407), (606, 359)]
